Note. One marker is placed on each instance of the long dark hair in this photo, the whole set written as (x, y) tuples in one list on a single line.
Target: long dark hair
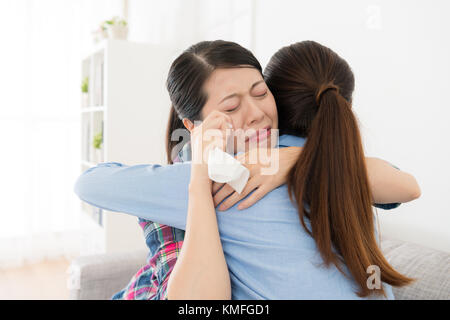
[(187, 76), (313, 89)]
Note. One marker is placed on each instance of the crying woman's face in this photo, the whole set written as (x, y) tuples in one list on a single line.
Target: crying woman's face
[(242, 94)]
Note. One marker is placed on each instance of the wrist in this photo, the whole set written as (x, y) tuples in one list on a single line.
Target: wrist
[(288, 158), (199, 177)]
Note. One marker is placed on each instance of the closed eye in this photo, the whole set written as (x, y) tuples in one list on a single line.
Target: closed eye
[(262, 95), (231, 110)]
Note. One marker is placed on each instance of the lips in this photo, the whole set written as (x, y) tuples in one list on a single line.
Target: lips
[(260, 135)]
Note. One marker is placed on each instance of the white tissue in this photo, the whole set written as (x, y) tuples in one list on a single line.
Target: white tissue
[(224, 168)]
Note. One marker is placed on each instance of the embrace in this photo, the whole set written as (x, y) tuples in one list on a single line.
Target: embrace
[(307, 231)]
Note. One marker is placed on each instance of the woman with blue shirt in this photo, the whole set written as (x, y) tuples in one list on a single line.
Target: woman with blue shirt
[(269, 256)]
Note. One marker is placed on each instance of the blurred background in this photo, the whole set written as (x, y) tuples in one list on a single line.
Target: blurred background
[(82, 82)]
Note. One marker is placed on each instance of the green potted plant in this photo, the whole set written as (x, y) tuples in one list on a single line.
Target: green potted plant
[(85, 92), (117, 28), (97, 143)]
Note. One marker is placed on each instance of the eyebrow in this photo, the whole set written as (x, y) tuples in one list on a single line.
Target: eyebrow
[(235, 94)]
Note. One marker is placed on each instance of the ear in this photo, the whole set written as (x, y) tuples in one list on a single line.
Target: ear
[(188, 124)]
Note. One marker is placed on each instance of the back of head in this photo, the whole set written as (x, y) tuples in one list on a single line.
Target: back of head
[(313, 89), (188, 74), (303, 75)]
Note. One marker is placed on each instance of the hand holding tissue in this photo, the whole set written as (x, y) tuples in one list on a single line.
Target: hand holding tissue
[(224, 168)]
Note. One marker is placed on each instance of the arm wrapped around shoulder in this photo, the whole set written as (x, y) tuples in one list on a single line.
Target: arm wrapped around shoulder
[(390, 185)]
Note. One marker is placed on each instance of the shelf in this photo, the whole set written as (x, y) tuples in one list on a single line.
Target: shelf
[(95, 49), (93, 109), (92, 123), (88, 164), (94, 213), (124, 80)]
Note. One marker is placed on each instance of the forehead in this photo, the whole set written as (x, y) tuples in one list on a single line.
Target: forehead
[(223, 82)]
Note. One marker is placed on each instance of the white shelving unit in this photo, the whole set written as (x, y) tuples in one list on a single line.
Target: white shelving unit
[(128, 103)]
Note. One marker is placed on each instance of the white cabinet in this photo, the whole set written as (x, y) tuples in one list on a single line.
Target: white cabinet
[(126, 109)]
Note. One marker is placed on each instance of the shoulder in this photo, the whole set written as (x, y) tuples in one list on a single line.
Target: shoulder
[(287, 140)]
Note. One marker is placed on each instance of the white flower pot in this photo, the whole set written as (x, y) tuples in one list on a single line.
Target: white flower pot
[(118, 32), (84, 99), (98, 155)]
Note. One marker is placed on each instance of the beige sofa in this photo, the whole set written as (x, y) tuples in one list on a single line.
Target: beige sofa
[(100, 276)]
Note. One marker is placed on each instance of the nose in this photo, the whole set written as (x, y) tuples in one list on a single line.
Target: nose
[(254, 115)]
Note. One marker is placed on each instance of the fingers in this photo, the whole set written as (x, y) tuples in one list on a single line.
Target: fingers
[(215, 130), (216, 187), (253, 198), (215, 120), (241, 157), (218, 114), (252, 184), (222, 194), (218, 120)]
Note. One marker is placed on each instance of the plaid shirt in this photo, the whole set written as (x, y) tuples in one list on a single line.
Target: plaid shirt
[(164, 242), (150, 282)]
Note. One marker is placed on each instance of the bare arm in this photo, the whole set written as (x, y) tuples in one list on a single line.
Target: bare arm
[(201, 271), (389, 184)]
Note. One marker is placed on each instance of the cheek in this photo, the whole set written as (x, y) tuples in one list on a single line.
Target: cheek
[(207, 109)]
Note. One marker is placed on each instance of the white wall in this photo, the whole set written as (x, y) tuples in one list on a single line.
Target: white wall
[(399, 52), (182, 23)]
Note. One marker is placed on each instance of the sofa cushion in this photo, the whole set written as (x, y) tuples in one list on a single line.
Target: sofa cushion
[(430, 268)]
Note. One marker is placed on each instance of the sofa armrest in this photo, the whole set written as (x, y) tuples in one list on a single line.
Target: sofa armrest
[(430, 268), (98, 277)]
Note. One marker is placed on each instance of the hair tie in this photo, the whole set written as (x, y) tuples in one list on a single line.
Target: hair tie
[(324, 88)]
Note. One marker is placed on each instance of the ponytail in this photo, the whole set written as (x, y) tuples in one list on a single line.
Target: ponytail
[(173, 124), (330, 176), (313, 88)]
